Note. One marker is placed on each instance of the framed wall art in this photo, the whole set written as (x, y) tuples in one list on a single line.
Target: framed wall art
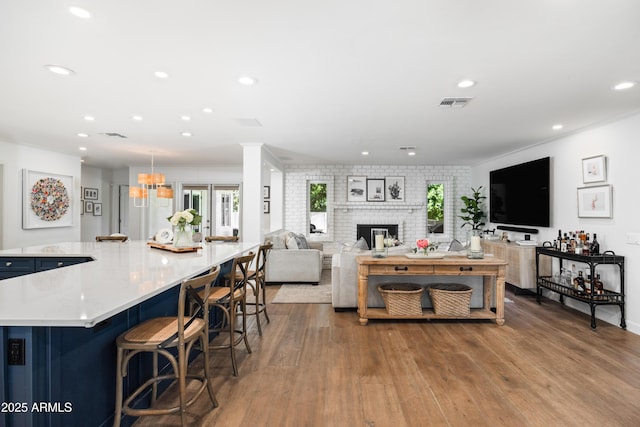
[(266, 207), (375, 190), (394, 188), (595, 202), (88, 206), (90, 193), (356, 188), (97, 209), (594, 169), (266, 192), (46, 200)]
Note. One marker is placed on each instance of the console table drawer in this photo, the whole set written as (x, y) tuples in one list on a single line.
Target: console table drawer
[(476, 270), (400, 269)]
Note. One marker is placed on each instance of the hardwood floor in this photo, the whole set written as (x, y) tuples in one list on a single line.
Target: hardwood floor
[(315, 367)]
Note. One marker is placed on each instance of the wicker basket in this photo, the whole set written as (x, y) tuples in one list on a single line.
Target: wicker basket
[(451, 299), (402, 299)]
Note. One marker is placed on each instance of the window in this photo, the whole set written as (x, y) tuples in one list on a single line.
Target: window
[(435, 208), (318, 218)]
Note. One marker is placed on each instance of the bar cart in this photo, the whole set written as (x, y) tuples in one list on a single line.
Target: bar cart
[(588, 296)]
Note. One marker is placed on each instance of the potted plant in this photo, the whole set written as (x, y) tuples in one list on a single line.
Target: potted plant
[(473, 215)]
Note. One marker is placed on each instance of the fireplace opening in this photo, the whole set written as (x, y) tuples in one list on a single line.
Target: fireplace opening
[(364, 230)]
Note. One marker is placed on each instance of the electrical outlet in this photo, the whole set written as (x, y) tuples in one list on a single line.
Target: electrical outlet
[(16, 351), (633, 238)]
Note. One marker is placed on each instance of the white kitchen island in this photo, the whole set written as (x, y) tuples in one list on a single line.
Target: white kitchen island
[(69, 318)]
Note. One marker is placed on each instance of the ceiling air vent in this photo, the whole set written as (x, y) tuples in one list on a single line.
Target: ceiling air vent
[(454, 102), (113, 134)]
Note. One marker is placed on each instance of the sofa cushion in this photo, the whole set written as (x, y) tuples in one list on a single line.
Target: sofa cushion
[(278, 240)]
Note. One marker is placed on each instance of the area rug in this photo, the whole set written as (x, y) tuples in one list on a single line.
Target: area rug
[(307, 293)]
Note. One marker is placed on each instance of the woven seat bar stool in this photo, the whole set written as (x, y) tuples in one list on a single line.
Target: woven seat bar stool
[(112, 238), (167, 336), (257, 283), (231, 300)]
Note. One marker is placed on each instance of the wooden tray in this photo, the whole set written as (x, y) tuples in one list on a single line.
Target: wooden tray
[(171, 248)]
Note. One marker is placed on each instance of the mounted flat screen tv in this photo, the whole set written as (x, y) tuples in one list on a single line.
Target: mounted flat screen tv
[(519, 194)]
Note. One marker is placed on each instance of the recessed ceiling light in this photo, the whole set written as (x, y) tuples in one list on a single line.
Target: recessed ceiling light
[(80, 12), (247, 80), (411, 153), (207, 110), (365, 153), (624, 85), (466, 83), (557, 127), (89, 118), (83, 135), (185, 118), (57, 69), (82, 148), (161, 74), (186, 134), (137, 118)]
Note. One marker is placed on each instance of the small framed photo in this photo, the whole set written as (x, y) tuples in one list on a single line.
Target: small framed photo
[(394, 188), (88, 207), (595, 202), (594, 169), (356, 188), (90, 193), (375, 190), (266, 207), (97, 209), (266, 192)]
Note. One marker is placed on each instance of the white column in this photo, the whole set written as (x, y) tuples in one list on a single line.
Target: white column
[(251, 228)]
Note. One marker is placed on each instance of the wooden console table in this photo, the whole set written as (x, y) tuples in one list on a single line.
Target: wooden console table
[(492, 270)]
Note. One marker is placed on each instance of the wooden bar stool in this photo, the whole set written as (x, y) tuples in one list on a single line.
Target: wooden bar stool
[(160, 335), (229, 299), (257, 283)]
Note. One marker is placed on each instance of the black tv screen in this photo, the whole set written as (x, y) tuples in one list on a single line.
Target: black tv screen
[(519, 194)]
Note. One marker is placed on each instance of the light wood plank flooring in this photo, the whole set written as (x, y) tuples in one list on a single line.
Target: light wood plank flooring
[(315, 367)]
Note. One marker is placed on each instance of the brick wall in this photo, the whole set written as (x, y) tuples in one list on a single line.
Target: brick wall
[(409, 214)]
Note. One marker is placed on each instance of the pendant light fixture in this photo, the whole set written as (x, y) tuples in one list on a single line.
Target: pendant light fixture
[(147, 182)]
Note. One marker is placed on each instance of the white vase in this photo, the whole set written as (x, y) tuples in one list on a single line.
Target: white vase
[(182, 236)]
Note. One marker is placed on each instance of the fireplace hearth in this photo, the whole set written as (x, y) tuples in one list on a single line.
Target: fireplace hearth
[(364, 230)]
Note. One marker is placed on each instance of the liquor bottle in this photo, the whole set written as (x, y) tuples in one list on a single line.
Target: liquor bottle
[(587, 245), (563, 243), (598, 286), (594, 249), (578, 282), (558, 240)]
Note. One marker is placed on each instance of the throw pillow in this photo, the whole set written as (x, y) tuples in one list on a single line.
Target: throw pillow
[(361, 244), (301, 241), (291, 241), (456, 246)]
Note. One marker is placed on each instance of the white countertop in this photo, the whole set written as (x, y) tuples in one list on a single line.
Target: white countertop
[(121, 276)]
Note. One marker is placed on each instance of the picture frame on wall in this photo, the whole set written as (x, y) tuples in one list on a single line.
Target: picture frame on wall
[(356, 188), (266, 207), (594, 169), (97, 209), (90, 193), (266, 192), (394, 188), (88, 207), (47, 200), (375, 190), (595, 202)]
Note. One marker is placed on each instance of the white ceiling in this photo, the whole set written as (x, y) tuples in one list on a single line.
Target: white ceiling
[(336, 77)]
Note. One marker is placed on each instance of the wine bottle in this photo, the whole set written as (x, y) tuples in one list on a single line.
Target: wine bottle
[(594, 249)]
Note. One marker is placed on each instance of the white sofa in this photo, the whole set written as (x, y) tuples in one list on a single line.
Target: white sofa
[(344, 281), (287, 263)]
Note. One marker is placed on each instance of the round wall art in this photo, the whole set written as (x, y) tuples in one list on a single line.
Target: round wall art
[(49, 199)]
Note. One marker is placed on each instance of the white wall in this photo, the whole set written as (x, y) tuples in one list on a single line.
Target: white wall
[(102, 180), (618, 141), (347, 215), (15, 158)]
